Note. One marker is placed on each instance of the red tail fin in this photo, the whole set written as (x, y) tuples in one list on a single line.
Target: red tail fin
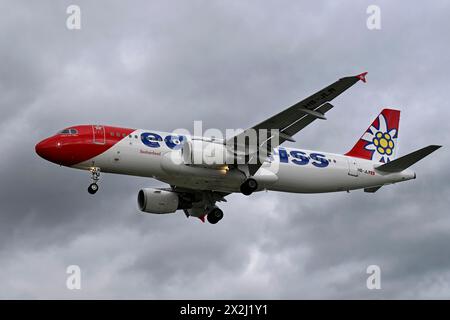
[(379, 142)]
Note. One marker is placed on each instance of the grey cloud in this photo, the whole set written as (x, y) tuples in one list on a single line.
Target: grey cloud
[(163, 65)]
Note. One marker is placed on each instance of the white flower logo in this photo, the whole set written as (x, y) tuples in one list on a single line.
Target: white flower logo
[(381, 141)]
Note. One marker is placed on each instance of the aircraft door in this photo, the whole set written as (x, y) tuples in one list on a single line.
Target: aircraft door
[(352, 167), (98, 134)]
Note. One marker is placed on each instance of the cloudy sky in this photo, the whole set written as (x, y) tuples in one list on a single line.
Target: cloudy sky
[(163, 64)]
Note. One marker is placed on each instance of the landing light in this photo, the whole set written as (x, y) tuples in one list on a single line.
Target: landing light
[(224, 169)]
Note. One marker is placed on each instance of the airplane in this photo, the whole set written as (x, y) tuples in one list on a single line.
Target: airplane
[(197, 185)]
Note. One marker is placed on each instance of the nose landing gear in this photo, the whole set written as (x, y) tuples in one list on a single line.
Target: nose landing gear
[(93, 187), (95, 176)]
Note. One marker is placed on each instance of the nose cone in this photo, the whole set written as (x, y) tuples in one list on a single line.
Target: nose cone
[(40, 149), (48, 149)]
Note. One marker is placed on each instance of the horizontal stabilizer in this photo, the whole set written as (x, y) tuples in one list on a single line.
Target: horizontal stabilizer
[(408, 160)]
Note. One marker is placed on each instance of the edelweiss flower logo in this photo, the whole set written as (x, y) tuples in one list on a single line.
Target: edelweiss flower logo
[(381, 141)]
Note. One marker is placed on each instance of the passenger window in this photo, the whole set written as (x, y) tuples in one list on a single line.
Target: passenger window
[(112, 134), (117, 134)]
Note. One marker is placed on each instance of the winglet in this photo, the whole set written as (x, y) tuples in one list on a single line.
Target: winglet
[(362, 77)]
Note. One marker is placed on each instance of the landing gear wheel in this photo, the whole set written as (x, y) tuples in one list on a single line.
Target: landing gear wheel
[(95, 176), (249, 186), (214, 216), (93, 188)]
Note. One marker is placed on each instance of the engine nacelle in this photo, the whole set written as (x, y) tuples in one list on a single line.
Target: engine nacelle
[(158, 201), (208, 153)]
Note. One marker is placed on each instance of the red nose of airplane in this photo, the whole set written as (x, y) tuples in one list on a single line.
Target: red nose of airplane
[(48, 149)]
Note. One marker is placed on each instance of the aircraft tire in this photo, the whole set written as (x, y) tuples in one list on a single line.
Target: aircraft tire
[(215, 215), (249, 186), (93, 188)]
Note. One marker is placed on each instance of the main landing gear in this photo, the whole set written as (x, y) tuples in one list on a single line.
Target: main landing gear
[(249, 186), (95, 176), (214, 215)]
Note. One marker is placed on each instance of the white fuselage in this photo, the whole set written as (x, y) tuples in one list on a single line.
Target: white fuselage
[(289, 170)]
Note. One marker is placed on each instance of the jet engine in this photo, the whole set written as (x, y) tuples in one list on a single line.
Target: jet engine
[(161, 201), (158, 201), (206, 153)]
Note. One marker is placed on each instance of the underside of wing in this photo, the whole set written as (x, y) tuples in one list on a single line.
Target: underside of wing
[(199, 203)]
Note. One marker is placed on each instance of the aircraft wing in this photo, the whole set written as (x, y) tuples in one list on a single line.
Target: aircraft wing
[(290, 121)]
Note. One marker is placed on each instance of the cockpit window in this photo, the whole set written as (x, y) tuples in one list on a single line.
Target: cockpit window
[(68, 131)]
